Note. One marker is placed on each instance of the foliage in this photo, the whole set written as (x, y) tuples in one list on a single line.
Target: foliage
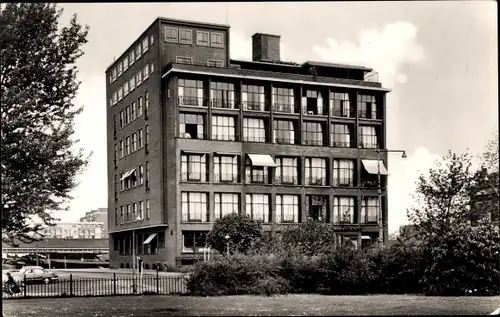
[(244, 234), (490, 156), (310, 238), (38, 85)]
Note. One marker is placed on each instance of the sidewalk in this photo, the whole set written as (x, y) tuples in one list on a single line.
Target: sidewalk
[(118, 271)]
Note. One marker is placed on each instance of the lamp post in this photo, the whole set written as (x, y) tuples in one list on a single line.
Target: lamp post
[(227, 237), (134, 286), (379, 189)]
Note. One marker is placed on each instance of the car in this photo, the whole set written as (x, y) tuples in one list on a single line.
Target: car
[(35, 274)]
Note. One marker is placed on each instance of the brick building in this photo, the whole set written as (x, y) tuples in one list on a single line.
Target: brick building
[(194, 135), (98, 215)]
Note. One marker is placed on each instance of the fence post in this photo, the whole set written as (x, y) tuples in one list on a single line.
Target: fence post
[(157, 283), (71, 285), (114, 283), (24, 282)]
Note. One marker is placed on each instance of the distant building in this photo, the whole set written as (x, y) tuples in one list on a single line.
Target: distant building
[(98, 215), (75, 230)]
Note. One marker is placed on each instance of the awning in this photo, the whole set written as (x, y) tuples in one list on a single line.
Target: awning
[(366, 238), (150, 238), (127, 174), (262, 160), (372, 168)]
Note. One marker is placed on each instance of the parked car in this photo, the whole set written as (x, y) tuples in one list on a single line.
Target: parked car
[(12, 264), (35, 274)]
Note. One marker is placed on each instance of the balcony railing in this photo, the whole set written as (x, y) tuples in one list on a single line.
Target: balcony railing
[(225, 178), (313, 142), (258, 179), (191, 101), (372, 183), (224, 137), (285, 108), (193, 177), (336, 143), (286, 179), (369, 219), (248, 138), (254, 106), (344, 113), (223, 103), (200, 136), (365, 114), (315, 180), (284, 141), (343, 181), (313, 112)]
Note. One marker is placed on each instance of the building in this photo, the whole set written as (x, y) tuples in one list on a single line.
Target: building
[(98, 215), (74, 230), (194, 135)]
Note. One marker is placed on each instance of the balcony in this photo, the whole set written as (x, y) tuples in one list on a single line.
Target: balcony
[(194, 177), (371, 115), (284, 108), (226, 178), (223, 104), (286, 180), (254, 106), (316, 181), (343, 113), (200, 136), (191, 101)]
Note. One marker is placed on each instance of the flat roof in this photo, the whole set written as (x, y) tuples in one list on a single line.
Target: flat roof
[(268, 34), (323, 64)]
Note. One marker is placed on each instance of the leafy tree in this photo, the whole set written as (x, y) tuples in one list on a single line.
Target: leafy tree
[(38, 85), (244, 234), (490, 156), (310, 238)]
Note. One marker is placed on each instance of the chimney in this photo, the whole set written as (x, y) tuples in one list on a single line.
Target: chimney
[(265, 47)]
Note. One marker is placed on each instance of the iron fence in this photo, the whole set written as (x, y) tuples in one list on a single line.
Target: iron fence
[(102, 286)]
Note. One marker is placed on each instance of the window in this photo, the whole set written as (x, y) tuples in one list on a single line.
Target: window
[(145, 72), (194, 207), (122, 214), (120, 69), (147, 136), (202, 38), (141, 174), (283, 100), (343, 210), (185, 36), (131, 58), (120, 93), (146, 103), (194, 241), (315, 171), (312, 102), (171, 35), (129, 210), (369, 210), (341, 135), (190, 92), (191, 126), (141, 210), (151, 40), (134, 212), (339, 105), (128, 115), (215, 63), (125, 89), (125, 63), (343, 173), (148, 211), (131, 83), (139, 106), (253, 97), (226, 204), (115, 98), (138, 78), (116, 153), (122, 119), (226, 168), (183, 60), (284, 132), (145, 45), (134, 142), (317, 208), (368, 137), (257, 207), (113, 74), (287, 209), (122, 149), (152, 68), (287, 171), (127, 145), (222, 95), (223, 128), (147, 174), (133, 111), (367, 107), (256, 174), (194, 167), (140, 140), (138, 52), (216, 39), (254, 130), (313, 133)]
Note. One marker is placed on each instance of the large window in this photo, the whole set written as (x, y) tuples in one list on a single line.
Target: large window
[(226, 168), (254, 130), (223, 128), (368, 137), (284, 132), (287, 209), (283, 100), (216, 39), (257, 207), (340, 105), (194, 241), (312, 102), (253, 97), (222, 95), (190, 92), (343, 209), (256, 174), (171, 35), (191, 126), (134, 142), (226, 204), (313, 133), (341, 135), (194, 207), (194, 167), (316, 171), (202, 38), (343, 173), (369, 210), (287, 171), (367, 107), (185, 36)]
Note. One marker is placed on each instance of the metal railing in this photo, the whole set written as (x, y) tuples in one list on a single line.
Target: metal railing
[(343, 181), (336, 143), (321, 181), (191, 101), (314, 112), (223, 103), (284, 140), (286, 179), (313, 142), (285, 108), (223, 137), (344, 113), (251, 138), (255, 106), (69, 286), (194, 177), (225, 178), (365, 114), (200, 136)]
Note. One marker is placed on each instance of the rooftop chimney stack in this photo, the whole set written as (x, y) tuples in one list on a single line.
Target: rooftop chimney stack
[(265, 47)]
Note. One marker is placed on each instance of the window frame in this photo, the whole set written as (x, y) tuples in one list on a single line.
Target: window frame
[(264, 204), (199, 42), (188, 216), (215, 44), (171, 39), (186, 41)]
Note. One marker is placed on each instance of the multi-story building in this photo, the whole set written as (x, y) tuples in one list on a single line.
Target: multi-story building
[(194, 135), (75, 230), (98, 215)]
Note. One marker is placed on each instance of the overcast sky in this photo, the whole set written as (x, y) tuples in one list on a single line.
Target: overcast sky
[(439, 59)]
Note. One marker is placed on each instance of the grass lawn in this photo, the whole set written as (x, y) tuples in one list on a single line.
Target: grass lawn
[(251, 305)]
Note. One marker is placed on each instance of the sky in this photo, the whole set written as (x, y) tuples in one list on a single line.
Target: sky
[(439, 58)]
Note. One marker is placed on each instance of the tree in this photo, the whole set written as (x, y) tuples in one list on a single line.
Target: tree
[(490, 156), (243, 234), (310, 238), (38, 85)]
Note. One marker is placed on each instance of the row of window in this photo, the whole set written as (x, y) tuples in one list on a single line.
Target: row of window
[(195, 208), (132, 212), (135, 81), (222, 95), (133, 112), (287, 171), (133, 178), (189, 60), (131, 58), (132, 143), (192, 126), (185, 36), (145, 243)]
